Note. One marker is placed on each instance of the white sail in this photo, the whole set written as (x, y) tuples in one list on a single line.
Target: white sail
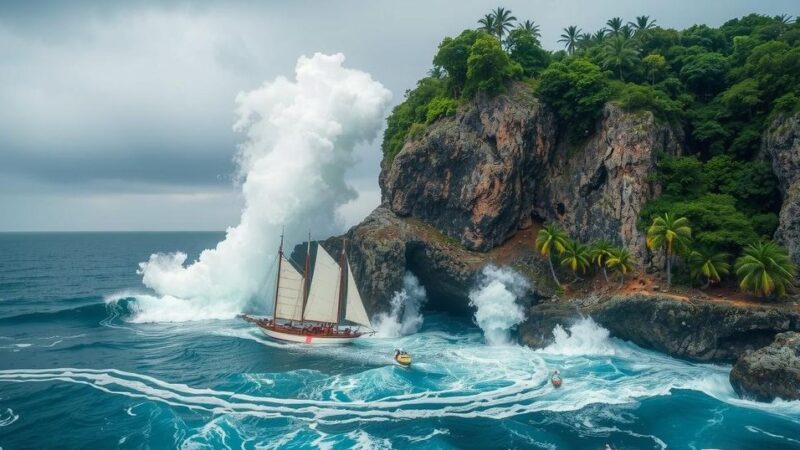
[(355, 311), (323, 295), (289, 304)]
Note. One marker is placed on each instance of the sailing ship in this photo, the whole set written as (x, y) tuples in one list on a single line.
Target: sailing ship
[(327, 309)]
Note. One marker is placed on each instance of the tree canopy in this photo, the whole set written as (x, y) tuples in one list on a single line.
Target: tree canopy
[(722, 86)]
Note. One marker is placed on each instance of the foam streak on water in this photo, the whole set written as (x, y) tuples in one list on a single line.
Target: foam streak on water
[(473, 382)]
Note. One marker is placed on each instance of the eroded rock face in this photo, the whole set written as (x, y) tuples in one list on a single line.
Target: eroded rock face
[(782, 144), (499, 163), (695, 329), (596, 191), (770, 372), (473, 176), (384, 246)]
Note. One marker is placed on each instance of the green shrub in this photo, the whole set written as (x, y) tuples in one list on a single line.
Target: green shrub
[(636, 97), (440, 107), (788, 103), (716, 222), (417, 130), (414, 109), (489, 67), (576, 90), (452, 57)]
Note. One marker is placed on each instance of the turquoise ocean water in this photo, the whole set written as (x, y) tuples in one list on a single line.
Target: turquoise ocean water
[(76, 372)]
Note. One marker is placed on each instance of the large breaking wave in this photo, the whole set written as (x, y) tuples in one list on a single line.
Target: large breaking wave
[(300, 136)]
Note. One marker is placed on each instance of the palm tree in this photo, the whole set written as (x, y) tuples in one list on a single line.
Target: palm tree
[(642, 23), (576, 256), (705, 262), (614, 24), (670, 233), (531, 27), (784, 20), (600, 252), (488, 24), (599, 36), (584, 40), (551, 238), (570, 38), (503, 21), (765, 269), (618, 53), (626, 32), (620, 260)]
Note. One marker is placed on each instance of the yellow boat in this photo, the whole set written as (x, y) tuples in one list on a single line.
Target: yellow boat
[(402, 358)]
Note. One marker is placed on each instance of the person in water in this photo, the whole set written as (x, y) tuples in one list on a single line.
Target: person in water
[(556, 378)]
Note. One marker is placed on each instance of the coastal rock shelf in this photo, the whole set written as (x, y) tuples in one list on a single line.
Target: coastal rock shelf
[(771, 372), (697, 329)]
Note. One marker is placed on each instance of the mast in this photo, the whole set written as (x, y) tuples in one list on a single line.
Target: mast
[(305, 278), (342, 281), (277, 283)]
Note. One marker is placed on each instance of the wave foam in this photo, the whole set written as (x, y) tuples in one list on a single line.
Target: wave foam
[(404, 317), (495, 299), (585, 337)]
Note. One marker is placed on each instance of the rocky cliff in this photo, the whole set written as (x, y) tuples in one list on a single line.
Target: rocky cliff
[(782, 144), (471, 182), (474, 176), (596, 190), (384, 246), (499, 165), (474, 188)]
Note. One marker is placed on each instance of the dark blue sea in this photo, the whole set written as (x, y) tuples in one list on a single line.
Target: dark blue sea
[(77, 372)]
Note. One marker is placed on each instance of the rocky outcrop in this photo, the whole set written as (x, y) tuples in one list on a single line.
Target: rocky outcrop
[(596, 190), (698, 329), (770, 372), (384, 246), (466, 185), (473, 176), (499, 165), (782, 144)]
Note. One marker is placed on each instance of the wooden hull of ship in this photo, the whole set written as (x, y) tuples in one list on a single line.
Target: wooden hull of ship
[(312, 339)]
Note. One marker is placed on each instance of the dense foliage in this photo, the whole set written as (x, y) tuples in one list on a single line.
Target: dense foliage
[(721, 86), (764, 269)]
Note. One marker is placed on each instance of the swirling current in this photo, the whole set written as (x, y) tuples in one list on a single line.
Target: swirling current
[(77, 371)]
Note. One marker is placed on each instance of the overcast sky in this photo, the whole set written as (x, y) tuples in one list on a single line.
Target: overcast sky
[(118, 115)]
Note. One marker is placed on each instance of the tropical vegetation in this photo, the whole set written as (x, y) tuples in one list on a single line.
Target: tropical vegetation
[(765, 269), (620, 261), (549, 240), (708, 265), (576, 256), (718, 87), (670, 233)]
